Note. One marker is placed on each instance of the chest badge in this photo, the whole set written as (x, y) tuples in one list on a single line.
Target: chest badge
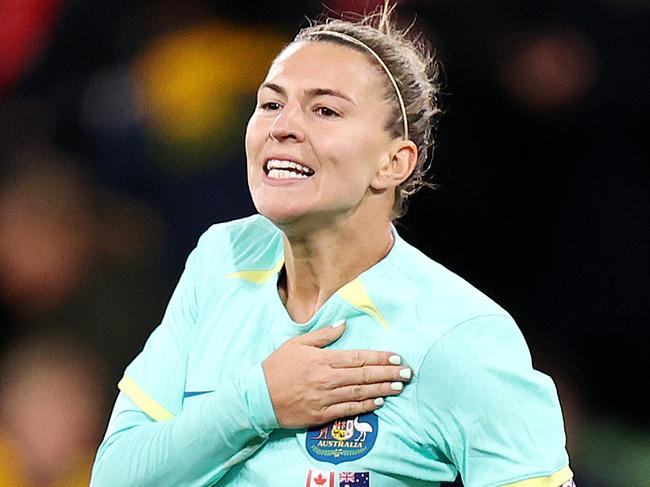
[(343, 440)]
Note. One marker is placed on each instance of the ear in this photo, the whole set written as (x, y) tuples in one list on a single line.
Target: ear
[(398, 165)]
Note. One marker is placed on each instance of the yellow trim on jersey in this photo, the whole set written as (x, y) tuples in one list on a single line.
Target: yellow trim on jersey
[(555, 480), (143, 400), (354, 292), (257, 276)]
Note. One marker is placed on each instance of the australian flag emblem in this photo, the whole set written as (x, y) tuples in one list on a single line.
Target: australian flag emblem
[(354, 479)]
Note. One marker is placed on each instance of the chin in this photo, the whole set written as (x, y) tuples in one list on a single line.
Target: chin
[(280, 214)]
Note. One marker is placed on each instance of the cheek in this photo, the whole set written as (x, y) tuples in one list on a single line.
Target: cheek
[(359, 157), (254, 137)]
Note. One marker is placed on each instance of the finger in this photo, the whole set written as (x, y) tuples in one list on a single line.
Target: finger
[(373, 374), (357, 392), (359, 358), (346, 409), (323, 336)]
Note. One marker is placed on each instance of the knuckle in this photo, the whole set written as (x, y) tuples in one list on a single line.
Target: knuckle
[(357, 392), (319, 418), (331, 413), (351, 409), (310, 377), (319, 415), (366, 376), (394, 376), (389, 391), (324, 384), (320, 356), (357, 358), (367, 406), (321, 386), (331, 380)]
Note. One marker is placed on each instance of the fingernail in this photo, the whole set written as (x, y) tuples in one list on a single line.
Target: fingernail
[(338, 323), (395, 359), (396, 386), (379, 401), (405, 373)]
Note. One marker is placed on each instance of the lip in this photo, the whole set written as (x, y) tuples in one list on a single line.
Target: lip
[(282, 182)]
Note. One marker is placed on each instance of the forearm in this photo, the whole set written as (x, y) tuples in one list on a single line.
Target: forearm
[(197, 447)]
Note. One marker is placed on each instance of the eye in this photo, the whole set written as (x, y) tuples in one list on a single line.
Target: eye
[(326, 112), (270, 105)]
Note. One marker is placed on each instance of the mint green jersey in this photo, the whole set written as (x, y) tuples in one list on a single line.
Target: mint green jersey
[(194, 409)]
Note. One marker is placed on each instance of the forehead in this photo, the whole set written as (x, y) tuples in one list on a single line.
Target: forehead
[(326, 64)]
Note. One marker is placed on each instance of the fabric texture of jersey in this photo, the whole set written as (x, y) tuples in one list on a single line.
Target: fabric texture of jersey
[(475, 405)]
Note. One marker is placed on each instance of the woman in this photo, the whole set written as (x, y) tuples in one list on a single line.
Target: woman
[(246, 383)]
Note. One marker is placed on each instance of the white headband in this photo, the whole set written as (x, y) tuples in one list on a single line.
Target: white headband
[(357, 42)]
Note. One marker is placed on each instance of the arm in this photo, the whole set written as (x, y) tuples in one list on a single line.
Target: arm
[(195, 447), (156, 438), (496, 418)]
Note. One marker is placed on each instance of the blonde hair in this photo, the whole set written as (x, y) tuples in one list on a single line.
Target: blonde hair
[(414, 69)]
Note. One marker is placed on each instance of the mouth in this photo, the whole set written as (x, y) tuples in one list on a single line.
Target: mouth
[(286, 169)]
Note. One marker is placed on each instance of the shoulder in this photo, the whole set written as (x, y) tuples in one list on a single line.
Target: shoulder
[(247, 231), (438, 298), (480, 397), (238, 244)]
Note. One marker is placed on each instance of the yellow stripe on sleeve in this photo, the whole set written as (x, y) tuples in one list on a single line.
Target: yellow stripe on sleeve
[(143, 400), (555, 480)]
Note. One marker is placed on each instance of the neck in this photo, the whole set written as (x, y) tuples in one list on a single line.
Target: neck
[(319, 262)]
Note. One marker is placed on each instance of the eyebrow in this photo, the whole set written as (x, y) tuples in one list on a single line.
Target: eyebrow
[(312, 92)]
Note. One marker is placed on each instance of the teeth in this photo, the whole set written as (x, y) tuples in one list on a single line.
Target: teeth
[(274, 164), (283, 174)]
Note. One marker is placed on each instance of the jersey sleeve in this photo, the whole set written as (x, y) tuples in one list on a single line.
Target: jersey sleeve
[(481, 402), (155, 380), (153, 438)]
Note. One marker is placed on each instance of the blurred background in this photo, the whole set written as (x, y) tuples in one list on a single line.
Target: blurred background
[(121, 141)]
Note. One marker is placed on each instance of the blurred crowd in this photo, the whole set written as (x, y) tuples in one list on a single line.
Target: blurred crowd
[(121, 141)]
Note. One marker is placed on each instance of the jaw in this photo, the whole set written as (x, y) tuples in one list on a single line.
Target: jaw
[(300, 214), (283, 201)]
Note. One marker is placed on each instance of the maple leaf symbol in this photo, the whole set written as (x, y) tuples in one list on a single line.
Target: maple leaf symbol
[(320, 480)]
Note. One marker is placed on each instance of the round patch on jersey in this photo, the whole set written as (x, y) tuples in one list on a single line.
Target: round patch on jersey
[(343, 440)]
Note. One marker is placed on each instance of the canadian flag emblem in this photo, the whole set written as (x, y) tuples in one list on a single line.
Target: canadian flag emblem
[(320, 478)]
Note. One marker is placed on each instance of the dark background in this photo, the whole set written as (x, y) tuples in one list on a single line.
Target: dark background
[(121, 133)]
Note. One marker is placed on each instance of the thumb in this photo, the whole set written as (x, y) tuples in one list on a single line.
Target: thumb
[(323, 336)]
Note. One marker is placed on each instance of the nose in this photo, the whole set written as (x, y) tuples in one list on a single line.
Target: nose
[(287, 126)]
